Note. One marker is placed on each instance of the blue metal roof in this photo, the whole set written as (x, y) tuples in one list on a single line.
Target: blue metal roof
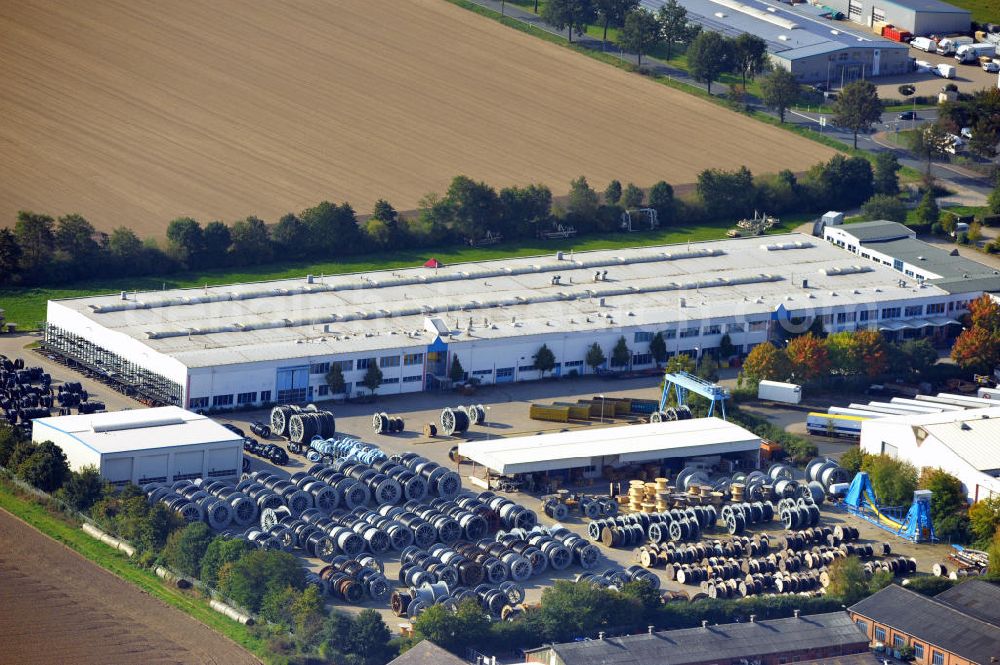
[(811, 35)]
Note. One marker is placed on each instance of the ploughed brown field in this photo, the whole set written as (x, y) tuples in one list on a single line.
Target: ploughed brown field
[(138, 111), (57, 607)]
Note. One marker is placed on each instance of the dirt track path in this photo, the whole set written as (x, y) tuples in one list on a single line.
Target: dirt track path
[(57, 607)]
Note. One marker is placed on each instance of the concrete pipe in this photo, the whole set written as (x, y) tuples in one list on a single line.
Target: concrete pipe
[(231, 612)]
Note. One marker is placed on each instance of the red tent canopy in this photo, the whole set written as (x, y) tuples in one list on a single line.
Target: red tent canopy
[(433, 263)]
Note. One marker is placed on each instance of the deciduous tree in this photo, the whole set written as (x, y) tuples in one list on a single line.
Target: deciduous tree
[(780, 90), (708, 56), (219, 552), (216, 238), (893, 480), (857, 107), (766, 362), (248, 579), (335, 379), (749, 56), (75, 238), (474, 205), (613, 12), (661, 199), (984, 520), (595, 356), (186, 240), (633, 196), (884, 206), (808, 357), (976, 349), (658, 348), (887, 168), (927, 211), (582, 203), (613, 192), (36, 239), (928, 143), (10, 256), (186, 548), (673, 18), (46, 467), (251, 242), (373, 376), (456, 372), (726, 193), (569, 15), (949, 508), (640, 33), (82, 488)]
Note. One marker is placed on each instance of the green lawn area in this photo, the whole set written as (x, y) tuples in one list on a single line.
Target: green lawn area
[(983, 11), (26, 306), (58, 528)]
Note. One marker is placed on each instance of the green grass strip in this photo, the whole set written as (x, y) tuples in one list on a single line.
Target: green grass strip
[(69, 534)]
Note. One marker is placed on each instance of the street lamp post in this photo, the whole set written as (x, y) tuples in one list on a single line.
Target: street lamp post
[(602, 408), (489, 432)]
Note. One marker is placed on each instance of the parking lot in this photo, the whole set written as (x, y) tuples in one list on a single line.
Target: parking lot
[(968, 78)]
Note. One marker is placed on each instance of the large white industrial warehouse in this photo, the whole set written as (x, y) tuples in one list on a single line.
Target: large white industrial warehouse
[(160, 445), (246, 344), (965, 443)]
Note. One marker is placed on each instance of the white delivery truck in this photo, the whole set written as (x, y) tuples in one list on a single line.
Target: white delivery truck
[(945, 71), (949, 45), (924, 44), (776, 391), (969, 54)]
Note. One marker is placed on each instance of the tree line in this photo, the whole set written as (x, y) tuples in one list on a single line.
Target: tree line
[(43, 250)]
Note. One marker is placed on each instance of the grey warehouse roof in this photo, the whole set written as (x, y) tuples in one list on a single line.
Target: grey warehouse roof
[(957, 273), (976, 598), (426, 652), (790, 32), (717, 643), (724, 280), (932, 621), (929, 6)]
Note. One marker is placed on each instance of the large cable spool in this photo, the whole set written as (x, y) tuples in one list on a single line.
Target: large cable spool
[(454, 421), (280, 416)]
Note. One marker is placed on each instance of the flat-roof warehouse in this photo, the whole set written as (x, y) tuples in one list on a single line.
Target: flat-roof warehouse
[(248, 344), (613, 446)]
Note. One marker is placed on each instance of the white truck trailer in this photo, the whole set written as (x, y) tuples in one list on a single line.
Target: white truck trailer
[(969, 54), (776, 391)]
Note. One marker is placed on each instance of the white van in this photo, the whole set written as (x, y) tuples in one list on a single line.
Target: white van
[(924, 44)]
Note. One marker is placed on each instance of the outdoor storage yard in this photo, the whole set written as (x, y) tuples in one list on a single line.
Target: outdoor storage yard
[(139, 112), (85, 614)]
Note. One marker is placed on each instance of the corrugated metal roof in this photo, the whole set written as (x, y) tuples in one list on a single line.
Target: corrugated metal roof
[(632, 443), (973, 435), (976, 598), (933, 623), (929, 6), (719, 643), (735, 279), (426, 652), (877, 230), (141, 429)]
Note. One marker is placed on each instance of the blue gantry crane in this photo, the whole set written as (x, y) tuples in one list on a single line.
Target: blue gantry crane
[(683, 383)]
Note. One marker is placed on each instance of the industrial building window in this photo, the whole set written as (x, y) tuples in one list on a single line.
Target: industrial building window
[(573, 363), (827, 319), (689, 332), (292, 395), (265, 396), (642, 359), (757, 326), (670, 334), (890, 312), (363, 363), (319, 368), (865, 255), (222, 400), (344, 365), (864, 315), (388, 361), (642, 337), (862, 624), (937, 658), (735, 328), (394, 379), (186, 476), (413, 359), (898, 642), (918, 650), (505, 372), (844, 317), (197, 402), (909, 273), (935, 308), (324, 390), (914, 310), (155, 479), (482, 372), (246, 398), (880, 634), (411, 379), (713, 330), (526, 368)]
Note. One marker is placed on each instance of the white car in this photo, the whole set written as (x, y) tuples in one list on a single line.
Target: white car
[(992, 66)]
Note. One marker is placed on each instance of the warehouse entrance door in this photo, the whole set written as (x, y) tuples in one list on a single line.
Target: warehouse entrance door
[(292, 384)]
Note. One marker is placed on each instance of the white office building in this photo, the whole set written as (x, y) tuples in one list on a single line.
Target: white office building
[(248, 344)]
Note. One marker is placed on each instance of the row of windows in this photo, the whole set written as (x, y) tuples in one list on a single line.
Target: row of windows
[(899, 641), (227, 400), (715, 329), (363, 363)]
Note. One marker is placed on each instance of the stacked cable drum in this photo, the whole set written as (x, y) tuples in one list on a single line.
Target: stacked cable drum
[(637, 528), (456, 420), (613, 578), (191, 509), (26, 392), (584, 554), (499, 602), (297, 500), (351, 579), (737, 517), (512, 515), (441, 482), (245, 509), (352, 493), (383, 423), (299, 425), (327, 450), (822, 474), (294, 532), (382, 488), (798, 513)]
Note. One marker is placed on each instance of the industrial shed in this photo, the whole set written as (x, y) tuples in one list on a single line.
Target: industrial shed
[(594, 449), (920, 17), (160, 445), (965, 443), (238, 345)]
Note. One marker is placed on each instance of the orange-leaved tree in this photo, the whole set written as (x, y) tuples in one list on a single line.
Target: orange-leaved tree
[(808, 357), (872, 351), (984, 312), (765, 362), (976, 349)]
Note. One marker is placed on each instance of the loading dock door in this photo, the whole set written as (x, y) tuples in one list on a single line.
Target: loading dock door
[(854, 11)]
